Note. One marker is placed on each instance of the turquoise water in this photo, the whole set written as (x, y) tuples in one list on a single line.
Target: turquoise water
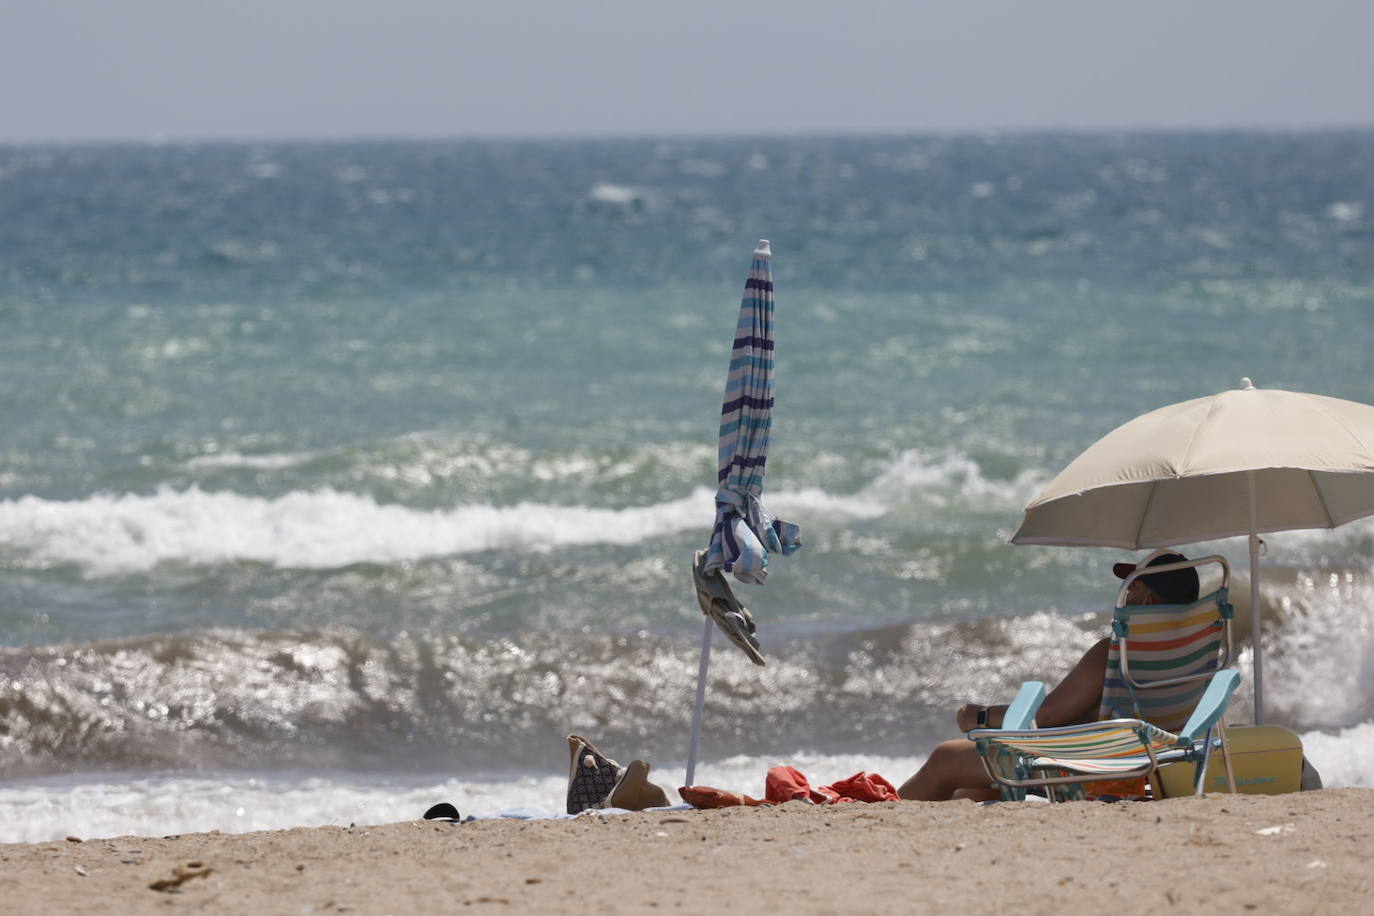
[(314, 450)]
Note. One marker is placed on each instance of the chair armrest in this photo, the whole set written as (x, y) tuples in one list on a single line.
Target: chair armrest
[(1213, 703), (1021, 713)]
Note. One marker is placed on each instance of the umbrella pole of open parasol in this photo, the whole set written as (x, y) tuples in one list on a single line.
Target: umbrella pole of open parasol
[(1257, 667), (699, 705)]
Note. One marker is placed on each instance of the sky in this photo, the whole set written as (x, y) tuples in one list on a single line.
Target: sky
[(77, 70)]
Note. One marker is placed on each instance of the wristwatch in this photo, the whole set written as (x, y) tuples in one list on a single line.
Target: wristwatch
[(982, 719)]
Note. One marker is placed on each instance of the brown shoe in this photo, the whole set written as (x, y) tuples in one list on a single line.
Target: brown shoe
[(634, 792)]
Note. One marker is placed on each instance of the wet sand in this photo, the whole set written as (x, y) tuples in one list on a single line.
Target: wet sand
[(1301, 853)]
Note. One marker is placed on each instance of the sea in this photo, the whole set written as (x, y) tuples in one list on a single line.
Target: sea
[(338, 479)]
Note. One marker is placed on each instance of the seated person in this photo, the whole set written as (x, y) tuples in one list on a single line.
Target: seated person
[(955, 770)]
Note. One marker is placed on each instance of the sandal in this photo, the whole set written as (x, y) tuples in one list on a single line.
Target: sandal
[(721, 605)]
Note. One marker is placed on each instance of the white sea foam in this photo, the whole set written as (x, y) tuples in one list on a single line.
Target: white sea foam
[(949, 479), (1319, 664), (1345, 758), (318, 529), (34, 811), (111, 534), (608, 193), (323, 529), (811, 501), (53, 808), (268, 462)]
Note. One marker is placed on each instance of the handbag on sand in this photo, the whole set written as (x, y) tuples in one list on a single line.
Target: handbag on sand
[(597, 781), (592, 777)]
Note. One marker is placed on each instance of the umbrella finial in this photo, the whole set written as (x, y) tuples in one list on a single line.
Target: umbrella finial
[(762, 250), (1247, 385)]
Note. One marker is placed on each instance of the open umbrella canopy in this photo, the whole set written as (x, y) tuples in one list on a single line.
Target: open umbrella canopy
[(1242, 462), (1183, 473)]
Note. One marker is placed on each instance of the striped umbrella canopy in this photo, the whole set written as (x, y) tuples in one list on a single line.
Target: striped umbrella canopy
[(744, 532)]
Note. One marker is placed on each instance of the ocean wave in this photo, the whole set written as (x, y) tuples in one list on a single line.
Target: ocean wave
[(131, 804), (320, 529), (954, 479), (265, 462), (436, 469), (324, 700), (339, 700), (424, 460), (110, 534), (1319, 649)]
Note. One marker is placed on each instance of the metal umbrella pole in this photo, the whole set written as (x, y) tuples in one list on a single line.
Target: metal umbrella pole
[(700, 703), (1257, 667)]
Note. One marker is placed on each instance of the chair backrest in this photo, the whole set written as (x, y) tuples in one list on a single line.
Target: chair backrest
[(1162, 655)]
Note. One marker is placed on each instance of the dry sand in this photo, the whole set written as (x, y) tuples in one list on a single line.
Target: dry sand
[(1306, 853)]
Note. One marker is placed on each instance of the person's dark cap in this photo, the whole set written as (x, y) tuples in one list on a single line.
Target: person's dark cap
[(1178, 586)]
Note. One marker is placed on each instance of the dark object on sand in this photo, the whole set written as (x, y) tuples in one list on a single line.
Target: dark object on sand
[(180, 875), (443, 812)]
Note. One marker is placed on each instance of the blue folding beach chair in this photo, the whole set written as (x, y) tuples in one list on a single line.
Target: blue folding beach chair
[(1166, 690)]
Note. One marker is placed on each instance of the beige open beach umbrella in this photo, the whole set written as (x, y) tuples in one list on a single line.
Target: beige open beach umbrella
[(1243, 462)]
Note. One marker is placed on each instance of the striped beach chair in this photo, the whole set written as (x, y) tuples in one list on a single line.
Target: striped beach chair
[(1165, 692)]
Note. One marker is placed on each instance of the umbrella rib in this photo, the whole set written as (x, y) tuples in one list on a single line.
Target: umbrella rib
[(1321, 498), (1337, 420), (1149, 502), (1188, 450)]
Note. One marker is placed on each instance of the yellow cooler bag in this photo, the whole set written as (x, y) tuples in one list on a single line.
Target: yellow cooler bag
[(1266, 760)]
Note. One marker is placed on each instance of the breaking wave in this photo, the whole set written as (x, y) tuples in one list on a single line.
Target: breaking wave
[(326, 528), (340, 700), (234, 699)]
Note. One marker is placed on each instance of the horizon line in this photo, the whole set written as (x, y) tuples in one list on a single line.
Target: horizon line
[(705, 134)]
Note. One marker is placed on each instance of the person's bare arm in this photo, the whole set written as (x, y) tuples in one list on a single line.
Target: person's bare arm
[(1074, 700), (1079, 694), (967, 716)]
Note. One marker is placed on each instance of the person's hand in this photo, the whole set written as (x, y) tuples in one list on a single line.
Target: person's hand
[(967, 716)]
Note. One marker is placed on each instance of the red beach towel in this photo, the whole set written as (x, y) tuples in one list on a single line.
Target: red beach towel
[(786, 784), (789, 784)]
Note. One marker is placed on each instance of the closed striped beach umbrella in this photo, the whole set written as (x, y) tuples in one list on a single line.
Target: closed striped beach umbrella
[(744, 533)]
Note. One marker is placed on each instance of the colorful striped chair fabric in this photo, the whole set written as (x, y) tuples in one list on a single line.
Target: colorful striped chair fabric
[(1168, 650)]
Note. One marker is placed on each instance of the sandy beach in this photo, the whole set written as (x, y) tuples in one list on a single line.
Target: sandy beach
[(1301, 853)]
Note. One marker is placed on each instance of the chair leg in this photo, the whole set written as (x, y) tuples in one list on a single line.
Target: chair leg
[(1226, 756), (1200, 770), (1008, 793)]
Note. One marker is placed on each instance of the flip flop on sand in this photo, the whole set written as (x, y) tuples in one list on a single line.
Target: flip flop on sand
[(720, 604), (443, 812)]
